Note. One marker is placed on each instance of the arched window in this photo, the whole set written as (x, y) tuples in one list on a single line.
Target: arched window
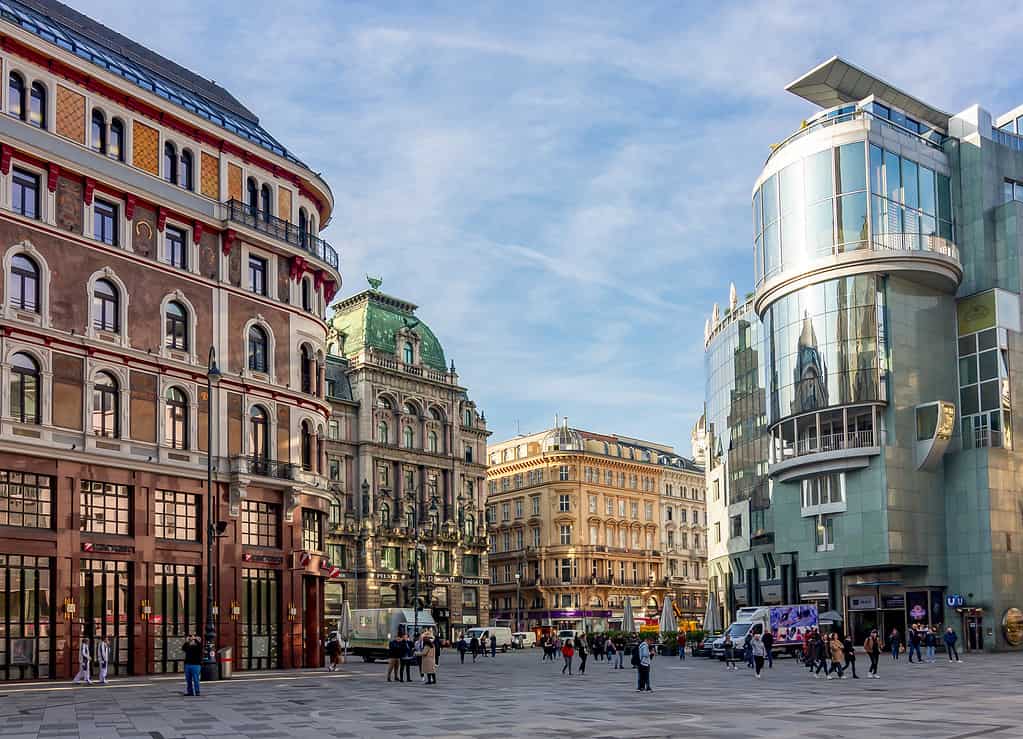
[(105, 406), (434, 442), (468, 416), (410, 437), (115, 143), (383, 402), (312, 226), (382, 436), (307, 446), (257, 349), (253, 196), (16, 96), (23, 284), (410, 517), (266, 202), (411, 410), (436, 415), (259, 430), (176, 419), (170, 163), (186, 178), (470, 525), (24, 389), (37, 106), (307, 299), (106, 313), (303, 226), (407, 352), (306, 369), (177, 326), (385, 515), (99, 132)]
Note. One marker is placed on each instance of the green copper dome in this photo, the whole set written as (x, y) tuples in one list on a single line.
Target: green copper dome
[(373, 319)]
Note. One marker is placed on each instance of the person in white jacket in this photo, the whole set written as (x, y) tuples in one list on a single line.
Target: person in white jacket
[(103, 654), (83, 660)]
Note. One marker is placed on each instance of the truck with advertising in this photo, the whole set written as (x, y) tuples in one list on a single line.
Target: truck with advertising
[(373, 629), (787, 624)]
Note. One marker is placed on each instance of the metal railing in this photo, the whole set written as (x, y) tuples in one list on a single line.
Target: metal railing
[(914, 242), (833, 442), (258, 220), (1007, 138), (265, 467)]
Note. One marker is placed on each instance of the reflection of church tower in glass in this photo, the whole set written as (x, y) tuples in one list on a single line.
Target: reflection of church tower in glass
[(810, 373)]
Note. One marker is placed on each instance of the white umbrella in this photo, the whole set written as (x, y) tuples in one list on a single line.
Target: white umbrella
[(668, 622), (710, 616), (628, 624), (345, 626)]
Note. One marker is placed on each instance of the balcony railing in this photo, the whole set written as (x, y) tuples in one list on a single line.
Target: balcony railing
[(913, 242), (830, 443), (258, 220), (270, 468)]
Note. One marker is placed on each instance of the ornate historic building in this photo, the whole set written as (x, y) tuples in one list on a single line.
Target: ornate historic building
[(576, 527), (684, 535), (406, 446), (148, 220)]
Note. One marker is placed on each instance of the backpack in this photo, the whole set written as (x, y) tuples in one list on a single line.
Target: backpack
[(635, 656)]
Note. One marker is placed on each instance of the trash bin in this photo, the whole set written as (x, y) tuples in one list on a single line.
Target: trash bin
[(225, 662)]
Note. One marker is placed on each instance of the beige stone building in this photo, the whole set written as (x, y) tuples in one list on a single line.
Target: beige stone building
[(684, 536), (575, 527)]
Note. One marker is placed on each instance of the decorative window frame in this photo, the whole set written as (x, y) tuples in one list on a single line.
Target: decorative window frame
[(189, 388), (268, 405), (189, 356), (121, 339), (193, 249), (43, 359), (122, 374), (124, 226), (271, 351), (42, 317), (271, 269), (47, 199)]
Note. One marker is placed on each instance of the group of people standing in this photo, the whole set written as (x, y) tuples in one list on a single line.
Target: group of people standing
[(918, 636), (403, 651), (477, 646)]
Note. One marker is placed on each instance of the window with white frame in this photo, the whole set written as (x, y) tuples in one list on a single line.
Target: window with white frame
[(566, 535), (823, 494), (563, 472), (824, 530)]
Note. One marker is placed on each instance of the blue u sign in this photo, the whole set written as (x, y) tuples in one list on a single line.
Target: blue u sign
[(954, 601)]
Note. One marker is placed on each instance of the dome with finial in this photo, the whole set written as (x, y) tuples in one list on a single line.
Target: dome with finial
[(561, 438)]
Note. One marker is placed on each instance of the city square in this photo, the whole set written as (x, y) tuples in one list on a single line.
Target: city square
[(516, 695)]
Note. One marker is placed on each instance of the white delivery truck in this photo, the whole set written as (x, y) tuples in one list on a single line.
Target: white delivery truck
[(373, 629), (786, 624)]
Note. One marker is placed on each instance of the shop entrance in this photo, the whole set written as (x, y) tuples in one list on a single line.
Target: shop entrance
[(25, 617), (105, 592), (974, 632), (312, 588), (175, 614), (260, 619)]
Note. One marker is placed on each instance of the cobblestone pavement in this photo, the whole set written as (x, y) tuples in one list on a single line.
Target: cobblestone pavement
[(517, 695)]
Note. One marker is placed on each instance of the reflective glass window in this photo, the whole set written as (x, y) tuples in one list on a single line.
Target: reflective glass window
[(852, 171), (758, 224), (852, 218), (944, 198), (928, 199), (876, 170), (893, 177), (770, 199), (818, 176), (820, 228), (910, 184)]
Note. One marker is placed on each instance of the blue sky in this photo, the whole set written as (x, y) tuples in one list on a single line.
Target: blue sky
[(563, 188)]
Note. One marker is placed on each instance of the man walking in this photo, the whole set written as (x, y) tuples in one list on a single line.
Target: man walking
[(408, 656), (850, 655), (103, 653), (950, 644), (914, 645), (930, 642), (193, 664), (395, 649), (643, 668), (493, 645), (681, 646), (768, 641), (84, 657), (872, 646), (461, 648), (474, 647), (894, 638)]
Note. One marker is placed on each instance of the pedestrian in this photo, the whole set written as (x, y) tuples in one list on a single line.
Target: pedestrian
[(914, 644), (103, 655), (474, 647), (837, 656), (768, 641), (437, 644), (850, 656), (610, 652), (567, 652), (950, 644), (493, 645), (417, 650), (681, 646), (747, 648), (395, 650), (930, 642), (484, 643), (620, 653), (872, 646), (333, 650), (729, 647), (894, 640), (408, 657), (820, 656), (580, 648), (429, 660), (461, 646), (193, 664), (84, 657), (757, 648), (646, 658)]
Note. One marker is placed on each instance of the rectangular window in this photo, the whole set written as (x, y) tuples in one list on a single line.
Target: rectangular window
[(334, 467), (593, 504), (26, 500), (333, 429), (176, 515), (505, 512), (104, 222), (175, 246), (609, 506), (390, 558), (471, 565), (105, 508), (736, 526), (563, 472), (609, 478), (260, 524), (25, 193), (564, 503), (621, 507), (634, 510), (518, 539), (823, 494), (536, 538), (648, 511), (566, 535), (441, 561), (506, 541), (717, 532), (535, 501), (518, 508), (824, 529), (257, 275)]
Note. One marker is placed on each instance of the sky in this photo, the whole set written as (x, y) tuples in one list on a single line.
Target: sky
[(563, 188)]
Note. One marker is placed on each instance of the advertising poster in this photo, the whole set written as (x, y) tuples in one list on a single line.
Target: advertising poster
[(789, 622)]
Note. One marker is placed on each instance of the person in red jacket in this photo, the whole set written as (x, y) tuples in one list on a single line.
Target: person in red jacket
[(568, 652)]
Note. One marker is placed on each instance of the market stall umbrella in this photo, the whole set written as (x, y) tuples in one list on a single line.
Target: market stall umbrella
[(628, 624), (668, 622), (710, 616), (344, 625)]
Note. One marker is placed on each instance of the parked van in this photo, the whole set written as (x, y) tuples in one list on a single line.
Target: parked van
[(566, 634), (523, 639), (373, 629), (503, 634)]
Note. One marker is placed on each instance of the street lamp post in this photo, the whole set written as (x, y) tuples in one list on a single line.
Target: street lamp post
[(518, 600), (209, 661), (413, 499)]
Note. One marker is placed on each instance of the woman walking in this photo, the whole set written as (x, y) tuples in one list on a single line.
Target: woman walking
[(759, 653), (567, 652), (580, 647), (837, 656), (872, 646), (429, 661)]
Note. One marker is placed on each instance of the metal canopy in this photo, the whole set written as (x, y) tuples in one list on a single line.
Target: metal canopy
[(836, 81)]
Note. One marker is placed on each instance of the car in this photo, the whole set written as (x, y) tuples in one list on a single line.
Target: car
[(703, 648), (523, 639)]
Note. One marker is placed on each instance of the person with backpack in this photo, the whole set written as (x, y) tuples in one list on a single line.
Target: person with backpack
[(914, 644), (567, 652), (872, 646), (747, 648)]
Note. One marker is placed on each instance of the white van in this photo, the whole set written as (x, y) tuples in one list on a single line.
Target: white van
[(523, 639), (568, 634), (503, 634)]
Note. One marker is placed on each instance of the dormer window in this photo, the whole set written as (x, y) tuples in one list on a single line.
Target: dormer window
[(407, 352)]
